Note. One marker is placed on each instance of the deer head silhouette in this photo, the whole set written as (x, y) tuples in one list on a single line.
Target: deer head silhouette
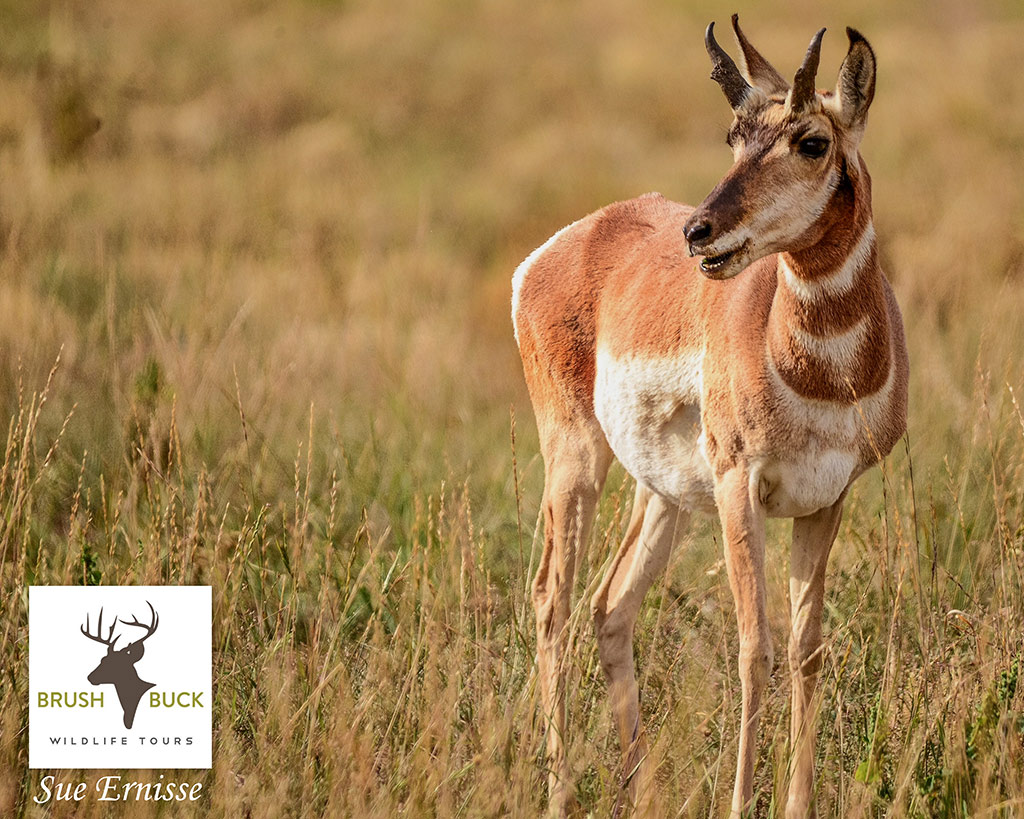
[(118, 666)]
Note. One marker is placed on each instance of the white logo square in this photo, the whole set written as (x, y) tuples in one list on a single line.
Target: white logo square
[(120, 677)]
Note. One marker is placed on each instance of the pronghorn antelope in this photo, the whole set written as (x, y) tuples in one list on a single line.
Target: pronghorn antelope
[(762, 388)]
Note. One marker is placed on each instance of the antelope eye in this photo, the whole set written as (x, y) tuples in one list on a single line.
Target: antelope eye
[(813, 147)]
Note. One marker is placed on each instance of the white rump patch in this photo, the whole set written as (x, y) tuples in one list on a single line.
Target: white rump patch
[(524, 267)]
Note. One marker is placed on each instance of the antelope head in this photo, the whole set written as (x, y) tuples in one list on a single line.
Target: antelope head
[(793, 149)]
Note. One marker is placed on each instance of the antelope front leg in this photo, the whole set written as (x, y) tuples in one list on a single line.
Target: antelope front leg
[(812, 540), (743, 521)]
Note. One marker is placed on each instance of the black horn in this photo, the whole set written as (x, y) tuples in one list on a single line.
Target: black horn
[(803, 83), (725, 72)]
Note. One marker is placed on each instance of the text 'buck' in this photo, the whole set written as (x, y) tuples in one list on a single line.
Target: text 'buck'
[(758, 380)]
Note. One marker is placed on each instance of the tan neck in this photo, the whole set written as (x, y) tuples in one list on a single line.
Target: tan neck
[(828, 333)]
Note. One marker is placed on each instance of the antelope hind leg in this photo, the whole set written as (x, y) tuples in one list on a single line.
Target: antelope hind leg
[(641, 557)]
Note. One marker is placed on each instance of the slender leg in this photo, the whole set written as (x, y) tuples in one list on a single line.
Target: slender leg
[(641, 557), (743, 532), (571, 491), (812, 541)]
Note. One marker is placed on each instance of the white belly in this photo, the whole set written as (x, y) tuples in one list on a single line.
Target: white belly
[(649, 409)]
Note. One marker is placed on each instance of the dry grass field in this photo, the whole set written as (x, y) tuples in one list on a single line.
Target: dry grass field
[(255, 333)]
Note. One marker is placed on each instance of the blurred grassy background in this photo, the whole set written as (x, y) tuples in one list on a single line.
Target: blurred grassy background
[(277, 281)]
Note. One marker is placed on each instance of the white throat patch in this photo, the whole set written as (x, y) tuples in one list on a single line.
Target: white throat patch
[(836, 283)]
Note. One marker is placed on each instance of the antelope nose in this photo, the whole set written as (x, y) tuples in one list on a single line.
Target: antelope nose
[(697, 231)]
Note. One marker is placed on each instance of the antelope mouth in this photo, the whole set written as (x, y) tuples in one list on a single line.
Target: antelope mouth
[(713, 264)]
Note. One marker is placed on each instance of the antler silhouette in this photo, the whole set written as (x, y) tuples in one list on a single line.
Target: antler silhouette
[(150, 628), (109, 642)]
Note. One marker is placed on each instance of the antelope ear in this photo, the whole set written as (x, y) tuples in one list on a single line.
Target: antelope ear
[(856, 86), (756, 68)]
